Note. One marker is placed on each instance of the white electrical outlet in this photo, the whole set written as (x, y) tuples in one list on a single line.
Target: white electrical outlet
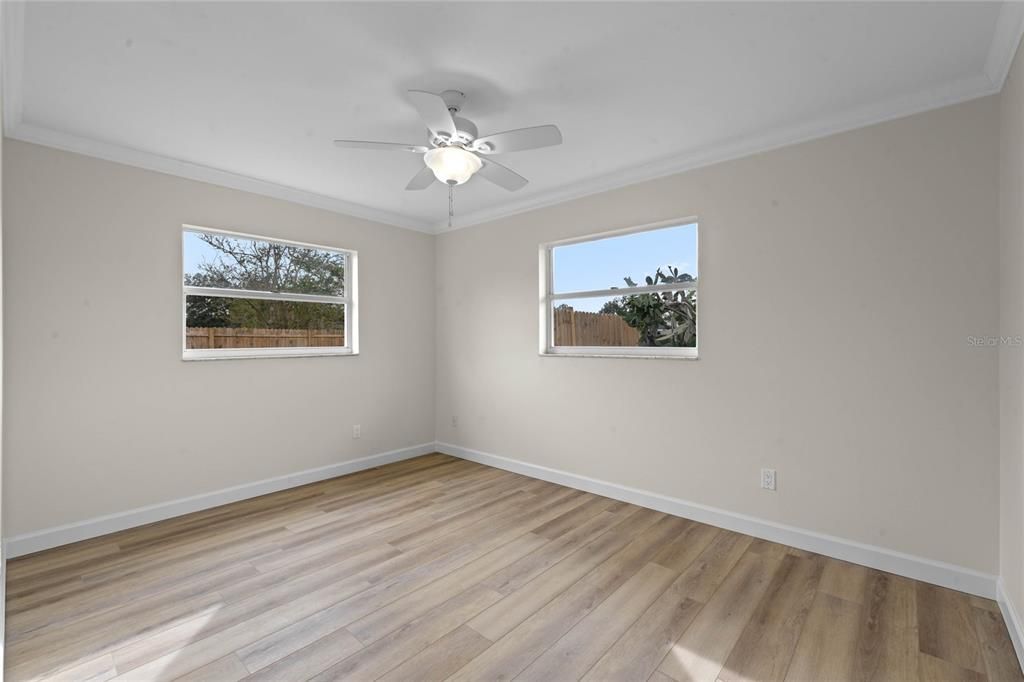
[(357, 431), (455, 421), (768, 479)]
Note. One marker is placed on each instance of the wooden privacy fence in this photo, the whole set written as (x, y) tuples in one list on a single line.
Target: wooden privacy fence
[(237, 337), (578, 328)]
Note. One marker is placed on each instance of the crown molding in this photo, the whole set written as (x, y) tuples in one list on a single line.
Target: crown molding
[(12, 16), (1005, 39), (951, 93), (214, 176)]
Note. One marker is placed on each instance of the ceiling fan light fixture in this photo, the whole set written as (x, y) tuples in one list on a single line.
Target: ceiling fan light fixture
[(452, 165)]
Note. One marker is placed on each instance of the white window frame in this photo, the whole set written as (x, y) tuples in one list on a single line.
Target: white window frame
[(350, 300), (548, 299)]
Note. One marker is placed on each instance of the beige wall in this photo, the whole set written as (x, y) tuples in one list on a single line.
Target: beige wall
[(840, 281), (107, 417), (1011, 358)]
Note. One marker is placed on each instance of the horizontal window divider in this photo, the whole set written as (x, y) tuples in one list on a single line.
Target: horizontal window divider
[(626, 291), (265, 295)]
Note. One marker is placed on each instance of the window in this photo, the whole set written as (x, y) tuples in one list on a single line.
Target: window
[(628, 293), (248, 296)]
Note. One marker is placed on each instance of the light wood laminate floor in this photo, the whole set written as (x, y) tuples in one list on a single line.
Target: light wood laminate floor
[(438, 568)]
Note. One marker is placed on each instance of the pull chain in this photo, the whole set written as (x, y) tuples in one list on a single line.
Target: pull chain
[(451, 204)]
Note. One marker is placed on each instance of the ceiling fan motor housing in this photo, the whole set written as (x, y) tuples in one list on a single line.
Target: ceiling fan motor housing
[(453, 99), (466, 129)]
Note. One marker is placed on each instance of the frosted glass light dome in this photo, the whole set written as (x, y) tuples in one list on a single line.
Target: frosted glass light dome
[(452, 165)]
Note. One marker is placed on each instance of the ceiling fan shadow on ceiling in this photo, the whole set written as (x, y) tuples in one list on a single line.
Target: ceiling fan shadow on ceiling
[(454, 152)]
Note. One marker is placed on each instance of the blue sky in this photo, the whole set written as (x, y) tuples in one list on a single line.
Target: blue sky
[(196, 251), (602, 264)]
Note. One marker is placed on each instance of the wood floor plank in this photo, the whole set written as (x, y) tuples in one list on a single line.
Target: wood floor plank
[(845, 580), (587, 641), (22, 568), (828, 642), (574, 518), (375, 625), (517, 574), (680, 552), (932, 669), (769, 549), (136, 600), (436, 567), (523, 602), (352, 538), (347, 600), (447, 525), (511, 653), (946, 627), (387, 653), (289, 639), (226, 669), (766, 646), (703, 648), (103, 633), (98, 669), (310, 660), (986, 604), (442, 658), (1001, 662), (706, 574), (220, 631), (887, 645), (637, 654), (332, 566), (203, 648), (162, 565)]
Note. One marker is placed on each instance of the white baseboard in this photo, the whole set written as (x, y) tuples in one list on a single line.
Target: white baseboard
[(28, 543), (1013, 621), (927, 570)]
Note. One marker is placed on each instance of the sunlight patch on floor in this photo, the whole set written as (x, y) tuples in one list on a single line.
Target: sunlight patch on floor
[(690, 666), (192, 629)]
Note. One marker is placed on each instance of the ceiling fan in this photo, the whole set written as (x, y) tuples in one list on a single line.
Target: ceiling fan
[(454, 152)]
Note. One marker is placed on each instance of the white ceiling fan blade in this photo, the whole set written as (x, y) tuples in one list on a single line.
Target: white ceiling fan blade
[(434, 113), (501, 176), (380, 146), (421, 180), (519, 140)]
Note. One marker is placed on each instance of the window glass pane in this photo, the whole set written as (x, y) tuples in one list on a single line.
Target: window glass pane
[(664, 319), (226, 262), (220, 322), (616, 261)]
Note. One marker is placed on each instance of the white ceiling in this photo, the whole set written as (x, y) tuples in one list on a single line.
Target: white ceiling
[(237, 92)]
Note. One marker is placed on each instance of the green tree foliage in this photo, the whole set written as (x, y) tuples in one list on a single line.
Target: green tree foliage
[(266, 266), (667, 318), (206, 311)]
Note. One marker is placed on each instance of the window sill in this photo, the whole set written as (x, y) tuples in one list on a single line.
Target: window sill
[(263, 353), (589, 353)]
